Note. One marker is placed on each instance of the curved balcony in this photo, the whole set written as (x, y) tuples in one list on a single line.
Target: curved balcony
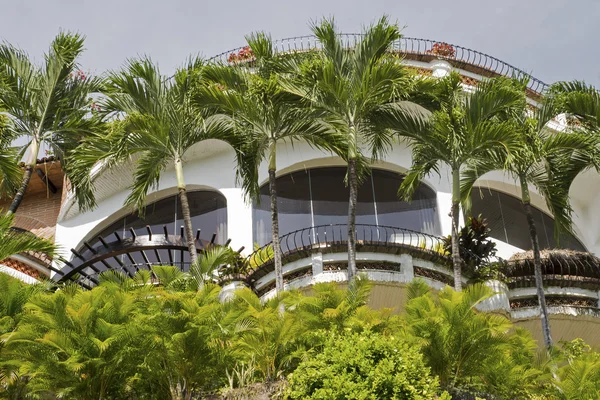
[(302, 244), (414, 49)]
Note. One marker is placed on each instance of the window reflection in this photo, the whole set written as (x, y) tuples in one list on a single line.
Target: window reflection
[(319, 196), (508, 223)]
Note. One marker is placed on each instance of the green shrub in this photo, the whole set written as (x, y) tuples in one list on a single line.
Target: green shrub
[(362, 366)]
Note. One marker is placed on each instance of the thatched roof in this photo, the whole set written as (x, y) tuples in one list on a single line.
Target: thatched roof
[(557, 265), (563, 255)]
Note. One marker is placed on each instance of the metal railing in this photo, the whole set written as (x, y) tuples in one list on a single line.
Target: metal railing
[(334, 237), (406, 46), (129, 270)]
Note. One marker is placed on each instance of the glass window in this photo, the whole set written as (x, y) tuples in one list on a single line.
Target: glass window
[(319, 197), (208, 211), (420, 214), (508, 222), (293, 205)]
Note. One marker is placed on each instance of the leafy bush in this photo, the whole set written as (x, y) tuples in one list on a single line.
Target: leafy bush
[(476, 247), (363, 366)]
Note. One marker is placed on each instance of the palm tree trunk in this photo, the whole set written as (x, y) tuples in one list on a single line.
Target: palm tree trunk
[(275, 219), (34, 149), (537, 264), (353, 185), (455, 211), (185, 211)]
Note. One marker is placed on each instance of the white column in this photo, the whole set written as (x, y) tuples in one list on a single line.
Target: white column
[(499, 301), (444, 203), (406, 266), (239, 220), (317, 263)]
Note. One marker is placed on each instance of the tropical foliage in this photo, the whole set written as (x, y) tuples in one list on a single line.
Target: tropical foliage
[(263, 116), (465, 128), (544, 159), (164, 333), (47, 105), (125, 339), (355, 92)]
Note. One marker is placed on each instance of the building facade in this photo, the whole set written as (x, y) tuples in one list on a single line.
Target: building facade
[(397, 240)]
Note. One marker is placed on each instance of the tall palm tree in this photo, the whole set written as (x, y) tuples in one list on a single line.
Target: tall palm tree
[(355, 89), (48, 105), (264, 116), (547, 160), (157, 123), (463, 129)]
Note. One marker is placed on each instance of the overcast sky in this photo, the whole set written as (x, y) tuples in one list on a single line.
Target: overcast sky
[(552, 39)]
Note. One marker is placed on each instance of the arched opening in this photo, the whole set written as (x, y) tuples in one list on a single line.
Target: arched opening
[(319, 196), (508, 223), (208, 210)]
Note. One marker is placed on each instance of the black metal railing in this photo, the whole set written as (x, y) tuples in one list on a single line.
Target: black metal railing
[(407, 46), (334, 238), (131, 269)]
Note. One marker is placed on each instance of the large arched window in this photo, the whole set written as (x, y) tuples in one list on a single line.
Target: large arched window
[(209, 214), (319, 197), (508, 223)]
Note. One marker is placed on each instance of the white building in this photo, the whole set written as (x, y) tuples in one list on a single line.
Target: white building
[(395, 237)]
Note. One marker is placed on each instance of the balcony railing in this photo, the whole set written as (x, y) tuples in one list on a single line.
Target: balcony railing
[(410, 47), (334, 238)]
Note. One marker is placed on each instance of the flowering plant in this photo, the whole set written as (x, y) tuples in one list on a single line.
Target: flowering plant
[(442, 49), (244, 54), (78, 75)]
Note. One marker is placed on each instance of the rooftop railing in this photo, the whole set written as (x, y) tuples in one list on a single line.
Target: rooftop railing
[(409, 47)]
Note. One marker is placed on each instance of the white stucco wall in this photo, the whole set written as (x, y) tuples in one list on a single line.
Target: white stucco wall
[(211, 166)]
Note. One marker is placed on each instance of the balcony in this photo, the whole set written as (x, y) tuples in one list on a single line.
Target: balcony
[(408, 48)]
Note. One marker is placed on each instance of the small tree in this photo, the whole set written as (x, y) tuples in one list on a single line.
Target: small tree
[(475, 244)]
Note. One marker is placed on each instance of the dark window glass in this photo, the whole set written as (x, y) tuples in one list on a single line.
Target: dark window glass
[(319, 197), (420, 214), (508, 222), (208, 211), (293, 205)]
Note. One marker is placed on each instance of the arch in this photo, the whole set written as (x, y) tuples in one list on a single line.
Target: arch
[(335, 161), (508, 223), (318, 196), (154, 199), (155, 237)]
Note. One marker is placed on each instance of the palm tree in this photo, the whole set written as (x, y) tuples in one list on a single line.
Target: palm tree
[(354, 90), (14, 242), (463, 129), (264, 116), (546, 160), (157, 123), (10, 172), (469, 350), (48, 105)]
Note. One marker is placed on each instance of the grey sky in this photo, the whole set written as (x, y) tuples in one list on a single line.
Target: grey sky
[(554, 40)]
